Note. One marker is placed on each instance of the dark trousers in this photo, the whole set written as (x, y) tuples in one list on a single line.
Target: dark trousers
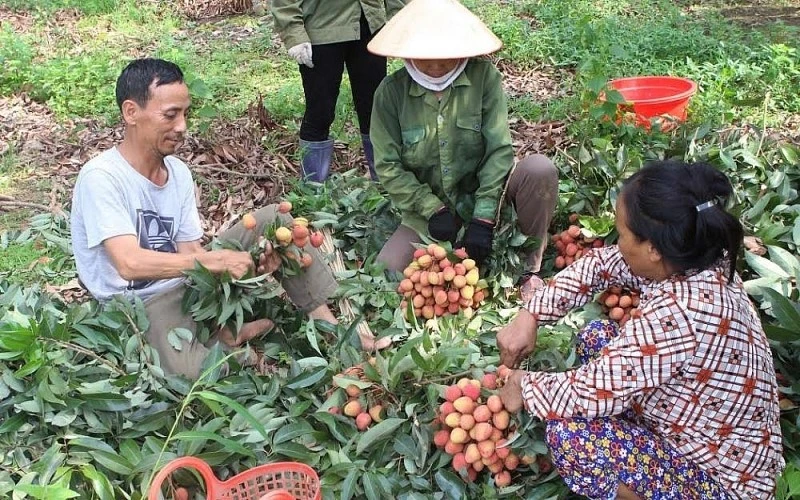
[(532, 187), (321, 83)]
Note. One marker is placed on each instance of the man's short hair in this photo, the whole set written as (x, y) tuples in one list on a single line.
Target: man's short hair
[(135, 80)]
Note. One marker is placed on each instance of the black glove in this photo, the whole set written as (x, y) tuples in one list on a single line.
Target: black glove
[(443, 225), (478, 240)]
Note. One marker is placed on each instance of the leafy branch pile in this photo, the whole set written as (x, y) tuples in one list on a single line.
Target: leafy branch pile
[(86, 411)]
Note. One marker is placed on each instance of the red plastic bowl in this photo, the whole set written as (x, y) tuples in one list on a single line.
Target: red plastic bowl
[(648, 97)]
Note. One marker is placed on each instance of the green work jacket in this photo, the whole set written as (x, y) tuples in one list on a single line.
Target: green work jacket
[(453, 151), (329, 21)]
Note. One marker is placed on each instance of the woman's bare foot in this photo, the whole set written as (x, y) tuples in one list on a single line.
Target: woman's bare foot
[(248, 332), (529, 287), (323, 313), (624, 493), (368, 342)]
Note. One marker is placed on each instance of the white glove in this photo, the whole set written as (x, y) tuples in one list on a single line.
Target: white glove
[(302, 54)]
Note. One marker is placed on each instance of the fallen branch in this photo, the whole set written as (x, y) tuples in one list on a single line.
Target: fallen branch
[(25, 204), (337, 265), (215, 167), (87, 352)]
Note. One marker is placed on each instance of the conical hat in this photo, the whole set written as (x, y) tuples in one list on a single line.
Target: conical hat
[(434, 29)]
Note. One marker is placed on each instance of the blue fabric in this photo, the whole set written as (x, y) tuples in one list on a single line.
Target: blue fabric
[(595, 456)]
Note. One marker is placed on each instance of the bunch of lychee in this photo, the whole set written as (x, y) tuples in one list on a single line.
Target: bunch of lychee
[(620, 304), (437, 283), (572, 244), (358, 406), (288, 242), (475, 427)]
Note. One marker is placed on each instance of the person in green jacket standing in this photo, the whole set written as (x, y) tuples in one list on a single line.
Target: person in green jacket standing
[(324, 36), (441, 137)]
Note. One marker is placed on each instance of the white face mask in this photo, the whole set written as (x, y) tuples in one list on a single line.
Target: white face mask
[(434, 83)]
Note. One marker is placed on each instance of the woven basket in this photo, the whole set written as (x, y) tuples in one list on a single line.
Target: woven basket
[(276, 481)]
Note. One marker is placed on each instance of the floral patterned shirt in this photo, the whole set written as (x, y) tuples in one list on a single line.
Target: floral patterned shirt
[(695, 367)]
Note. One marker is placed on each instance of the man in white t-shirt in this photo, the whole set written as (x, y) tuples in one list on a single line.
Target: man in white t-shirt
[(136, 228)]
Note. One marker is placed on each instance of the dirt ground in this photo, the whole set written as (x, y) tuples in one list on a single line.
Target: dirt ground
[(59, 149), (757, 14)]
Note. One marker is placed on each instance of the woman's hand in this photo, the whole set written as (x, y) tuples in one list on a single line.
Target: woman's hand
[(478, 239), (268, 261), (443, 225), (517, 339), (511, 392), (303, 54)]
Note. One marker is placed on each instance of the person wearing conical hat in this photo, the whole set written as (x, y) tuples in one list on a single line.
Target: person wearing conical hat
[(324, 36), (441, 137)]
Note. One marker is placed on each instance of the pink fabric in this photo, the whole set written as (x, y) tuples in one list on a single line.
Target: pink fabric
[(695, 368)]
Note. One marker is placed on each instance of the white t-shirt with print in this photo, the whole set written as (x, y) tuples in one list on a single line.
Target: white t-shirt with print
[(112, 199)]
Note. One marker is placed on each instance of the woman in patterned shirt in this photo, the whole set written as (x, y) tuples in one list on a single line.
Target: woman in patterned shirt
[(682, 401)]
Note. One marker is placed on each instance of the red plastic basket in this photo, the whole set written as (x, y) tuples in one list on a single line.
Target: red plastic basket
[(276, 481), (664, 98)]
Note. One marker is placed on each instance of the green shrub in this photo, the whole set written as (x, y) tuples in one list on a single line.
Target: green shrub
[(86, 6), (16, 55)]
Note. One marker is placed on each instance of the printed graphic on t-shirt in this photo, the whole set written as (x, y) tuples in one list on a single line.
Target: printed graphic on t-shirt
[(155, 233)]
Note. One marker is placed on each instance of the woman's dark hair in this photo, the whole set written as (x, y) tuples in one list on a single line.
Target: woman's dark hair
[(135, 80), (667, 204)]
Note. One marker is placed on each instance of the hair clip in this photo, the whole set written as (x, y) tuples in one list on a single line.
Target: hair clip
[(706, 205)]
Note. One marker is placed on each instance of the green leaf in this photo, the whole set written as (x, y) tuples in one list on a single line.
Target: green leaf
[(780, 334), (615, 97), (199, 89), (177, 336), (343, 381), (377, 433), (49, 463), (371, 487), (419, 360), (106, 401), (206, 396), (64, 418), (796, 232), (764, 267), (12, 424), (450, 484), (349, 484), (311, 336), (596, 84), (782, 308), (307, 379), (784, 259), (100, 483), (292, 431), (333, 426), (790, 154), (50, 492), (211, 369), (91, 443), (229, 444), (295, 451), (113, 462)]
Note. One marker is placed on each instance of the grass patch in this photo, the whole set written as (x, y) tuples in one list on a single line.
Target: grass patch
[(16, 55), (32, 262), (735, 67), (47, 6), (9, 170), (15, 261), (13, 220)]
